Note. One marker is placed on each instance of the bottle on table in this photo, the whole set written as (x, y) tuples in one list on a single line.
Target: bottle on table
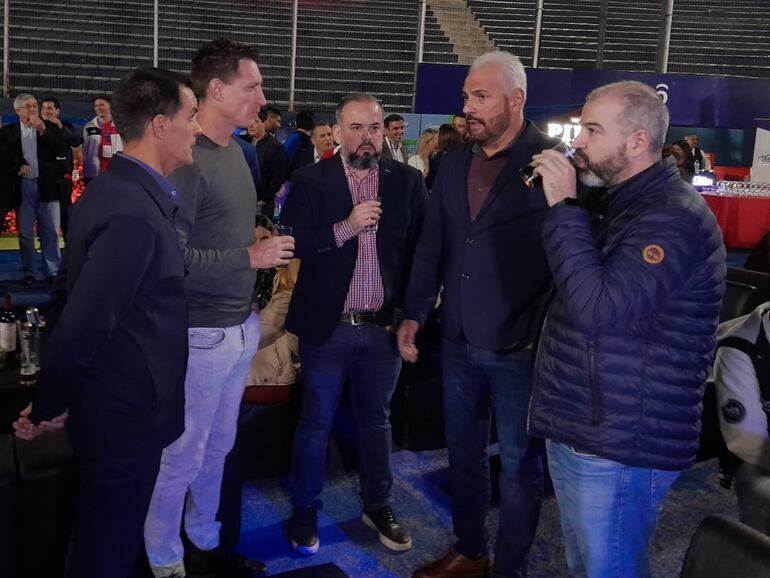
[(29, 337), (7, 331)]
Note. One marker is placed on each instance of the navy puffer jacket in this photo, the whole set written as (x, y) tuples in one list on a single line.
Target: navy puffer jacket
[(629, 337)]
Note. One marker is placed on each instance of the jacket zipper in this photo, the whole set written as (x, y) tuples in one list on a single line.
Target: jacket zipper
[(595, 394)]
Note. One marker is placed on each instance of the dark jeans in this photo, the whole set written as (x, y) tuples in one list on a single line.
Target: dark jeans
[(475, 381), (366, 357), (115, 482)]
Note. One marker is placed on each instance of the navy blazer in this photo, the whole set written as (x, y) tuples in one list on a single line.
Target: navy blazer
[(118, 354), (493, 269), (319, 198)]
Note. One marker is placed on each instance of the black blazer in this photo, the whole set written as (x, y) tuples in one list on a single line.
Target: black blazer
[(53, 146), (493, 269), (319, 198), (303, 158), (118, 353)]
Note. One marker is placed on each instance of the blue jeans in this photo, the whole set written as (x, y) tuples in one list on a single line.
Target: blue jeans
[(191, 468), (366, 357), (475, 382), (47, 217), (608, 512)]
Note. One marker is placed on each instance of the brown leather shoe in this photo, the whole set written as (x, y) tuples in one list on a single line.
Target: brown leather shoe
[(455, 565)]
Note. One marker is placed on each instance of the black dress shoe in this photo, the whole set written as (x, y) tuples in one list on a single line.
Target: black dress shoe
[(221, 563)]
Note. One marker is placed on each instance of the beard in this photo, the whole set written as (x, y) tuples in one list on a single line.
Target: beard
[(364, 161), (491, 128), (601, 173)]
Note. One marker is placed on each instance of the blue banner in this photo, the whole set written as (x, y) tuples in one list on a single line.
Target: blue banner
[(700, 101)]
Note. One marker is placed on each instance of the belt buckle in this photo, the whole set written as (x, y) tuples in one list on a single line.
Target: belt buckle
[(354, 320)]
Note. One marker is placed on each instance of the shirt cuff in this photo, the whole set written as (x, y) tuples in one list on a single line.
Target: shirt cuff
[(342, 233)]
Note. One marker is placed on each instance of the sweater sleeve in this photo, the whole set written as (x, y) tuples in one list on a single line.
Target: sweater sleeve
[(205, 263)]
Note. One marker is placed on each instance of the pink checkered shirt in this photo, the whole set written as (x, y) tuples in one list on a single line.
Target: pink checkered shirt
[(365, 292)]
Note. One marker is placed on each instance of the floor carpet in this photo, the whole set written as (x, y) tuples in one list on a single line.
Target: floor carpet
[(422, 504)]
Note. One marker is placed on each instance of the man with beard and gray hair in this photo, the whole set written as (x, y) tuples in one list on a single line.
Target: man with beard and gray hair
[(626, 347), (482, 243), (356, 220)]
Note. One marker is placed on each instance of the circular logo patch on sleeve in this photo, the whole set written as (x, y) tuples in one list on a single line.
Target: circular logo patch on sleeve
[(653, 254), (733, 411)]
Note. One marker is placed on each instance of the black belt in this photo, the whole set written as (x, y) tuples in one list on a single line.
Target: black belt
[(358, 318)]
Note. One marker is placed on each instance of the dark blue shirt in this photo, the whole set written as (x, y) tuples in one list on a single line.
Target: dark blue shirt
[(162, 181)]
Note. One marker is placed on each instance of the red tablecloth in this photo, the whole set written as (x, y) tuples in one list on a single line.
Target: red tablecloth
[(743, 220)]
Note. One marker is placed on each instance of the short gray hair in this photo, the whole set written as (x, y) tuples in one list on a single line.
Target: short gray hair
[(642, 109), (354, 97), (18, 102), (511, 70)]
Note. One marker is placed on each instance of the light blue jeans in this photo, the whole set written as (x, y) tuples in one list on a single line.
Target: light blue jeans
[(191, 468), (47, 216), (608, 512)]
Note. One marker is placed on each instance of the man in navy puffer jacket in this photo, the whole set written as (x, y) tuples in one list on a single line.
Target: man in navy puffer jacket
[(627, 342)]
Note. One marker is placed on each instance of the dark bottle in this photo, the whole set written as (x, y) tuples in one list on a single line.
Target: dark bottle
[(534, 181), (7, 331)]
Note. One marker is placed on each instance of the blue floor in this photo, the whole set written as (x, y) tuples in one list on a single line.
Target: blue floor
[(423, 506)]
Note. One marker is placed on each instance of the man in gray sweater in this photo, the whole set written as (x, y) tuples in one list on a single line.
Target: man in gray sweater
[(216, 230)]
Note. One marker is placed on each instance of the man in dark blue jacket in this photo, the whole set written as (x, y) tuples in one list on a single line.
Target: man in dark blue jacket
[(627, 342), (482, 243), (118, 355)]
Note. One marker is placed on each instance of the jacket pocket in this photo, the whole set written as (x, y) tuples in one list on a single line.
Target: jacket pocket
[(597, 411)]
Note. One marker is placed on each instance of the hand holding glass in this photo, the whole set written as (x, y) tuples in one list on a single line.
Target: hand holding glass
[(283, 231)]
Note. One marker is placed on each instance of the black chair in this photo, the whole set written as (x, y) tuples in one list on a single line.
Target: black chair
[(724, 547), (756, 279), (737, 300)]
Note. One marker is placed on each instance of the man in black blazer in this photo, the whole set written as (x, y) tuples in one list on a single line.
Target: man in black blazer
[(117, 357), (40, 147), (356, 219), (482, 243)]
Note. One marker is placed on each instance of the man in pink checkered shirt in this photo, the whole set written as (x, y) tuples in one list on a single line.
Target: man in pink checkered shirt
[(356, 219)]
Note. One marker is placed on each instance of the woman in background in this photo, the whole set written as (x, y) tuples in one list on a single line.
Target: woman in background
[(428, 145), (448, 138)]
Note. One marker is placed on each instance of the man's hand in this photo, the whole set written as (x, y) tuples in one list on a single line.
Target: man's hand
[(272, 252), (363, 215), (55, 424), (407, 332), (25, 170), (23, 428), (37, 123), (77, 154), (558, 174)]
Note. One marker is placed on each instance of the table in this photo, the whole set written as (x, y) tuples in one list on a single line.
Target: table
[(743, 220)]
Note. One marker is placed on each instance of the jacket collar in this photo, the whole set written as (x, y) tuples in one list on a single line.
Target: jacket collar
[(130, 170), (620, 196)]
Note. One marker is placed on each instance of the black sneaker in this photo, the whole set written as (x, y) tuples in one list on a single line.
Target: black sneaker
[(302, 530), (392, 535)]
